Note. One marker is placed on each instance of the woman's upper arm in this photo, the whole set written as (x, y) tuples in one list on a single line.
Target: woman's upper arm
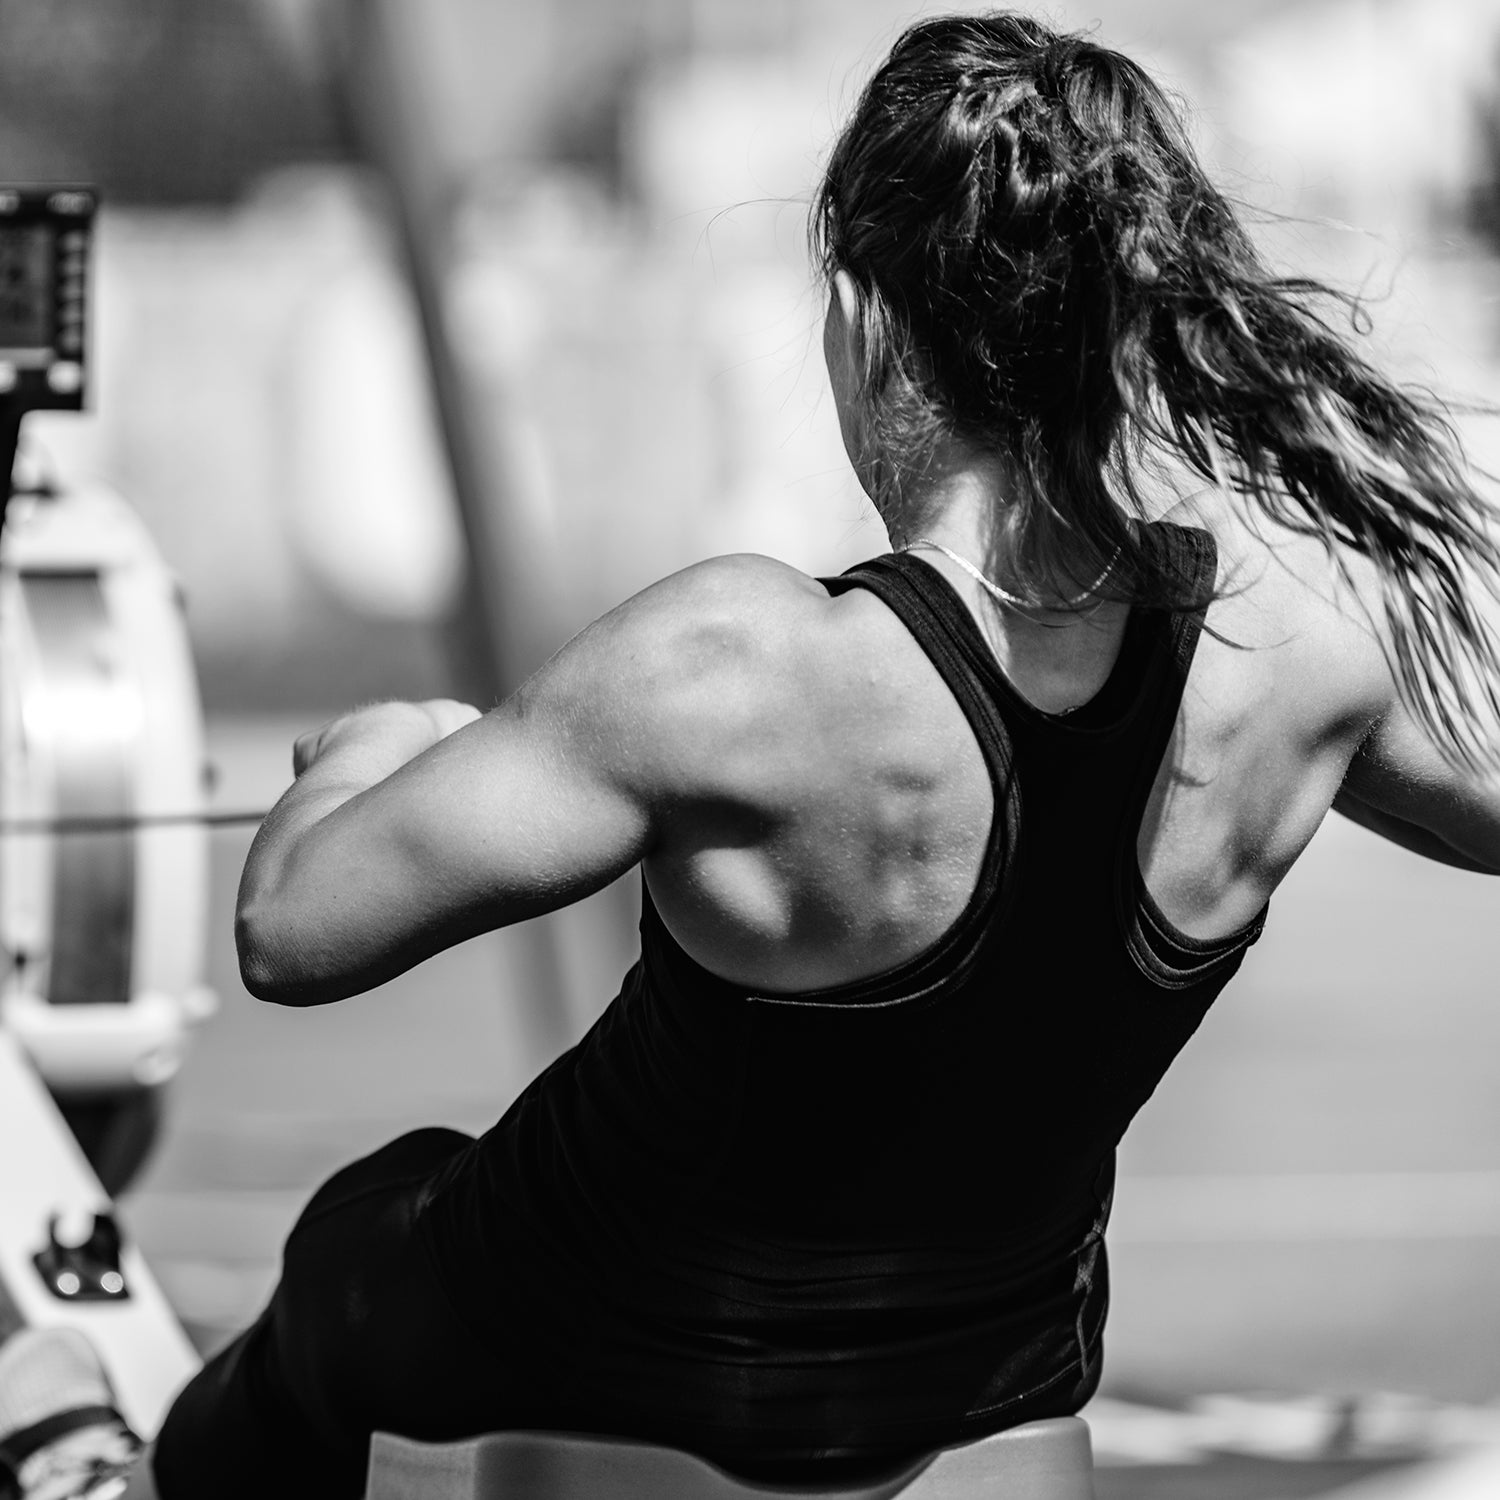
[(540, 802), (1399, 786), (506, 818)]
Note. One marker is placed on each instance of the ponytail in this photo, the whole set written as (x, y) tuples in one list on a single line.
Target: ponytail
[(1047, 273), (1260, 395)]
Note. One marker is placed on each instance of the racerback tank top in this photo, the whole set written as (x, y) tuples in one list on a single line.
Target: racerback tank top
[(829, 1229)]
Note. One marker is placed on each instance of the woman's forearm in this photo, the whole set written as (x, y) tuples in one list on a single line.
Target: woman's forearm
[(1408, 835), (281, 888)]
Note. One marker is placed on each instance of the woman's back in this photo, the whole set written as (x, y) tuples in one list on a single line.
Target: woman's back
[(865, 803), (830, 1178), (910, 1170)]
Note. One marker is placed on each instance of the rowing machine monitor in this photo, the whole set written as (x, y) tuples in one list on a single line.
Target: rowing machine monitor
[(46, 236)]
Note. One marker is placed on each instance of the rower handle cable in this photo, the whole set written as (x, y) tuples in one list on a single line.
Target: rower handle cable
[(129, 822)]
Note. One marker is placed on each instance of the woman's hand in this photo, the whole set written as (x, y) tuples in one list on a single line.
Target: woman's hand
[(397, 731)]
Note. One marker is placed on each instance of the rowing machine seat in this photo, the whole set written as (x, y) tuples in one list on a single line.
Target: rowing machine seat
[(1048, 1460)]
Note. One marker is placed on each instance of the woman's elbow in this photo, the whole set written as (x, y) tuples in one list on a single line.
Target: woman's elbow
[(269, 969)]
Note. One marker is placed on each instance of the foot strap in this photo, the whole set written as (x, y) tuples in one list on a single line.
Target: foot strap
[(17, 1447)]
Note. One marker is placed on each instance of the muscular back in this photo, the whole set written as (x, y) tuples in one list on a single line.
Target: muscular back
[(872, 802)]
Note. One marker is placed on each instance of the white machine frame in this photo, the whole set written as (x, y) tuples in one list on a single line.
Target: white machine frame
[(144, 1350), (103, 911)]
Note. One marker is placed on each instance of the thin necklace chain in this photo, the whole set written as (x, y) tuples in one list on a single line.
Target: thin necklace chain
[(1003, 596)]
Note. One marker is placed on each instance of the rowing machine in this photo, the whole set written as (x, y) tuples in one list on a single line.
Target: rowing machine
[(103, 852)]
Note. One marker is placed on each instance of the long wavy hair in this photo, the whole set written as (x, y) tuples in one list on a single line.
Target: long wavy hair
[(1045, 271)]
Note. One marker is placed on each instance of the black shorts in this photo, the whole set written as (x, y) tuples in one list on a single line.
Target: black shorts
[(357, 1337)]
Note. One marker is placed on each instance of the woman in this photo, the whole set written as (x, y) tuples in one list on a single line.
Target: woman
[(943, 860)]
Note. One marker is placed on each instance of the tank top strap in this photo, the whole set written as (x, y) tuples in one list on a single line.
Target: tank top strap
[(1193, 556), (938, 621), (1141, 694)]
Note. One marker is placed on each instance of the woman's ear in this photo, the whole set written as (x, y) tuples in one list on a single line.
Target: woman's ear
[(844, 335), (844, 351), (851, 309), (847, 295)]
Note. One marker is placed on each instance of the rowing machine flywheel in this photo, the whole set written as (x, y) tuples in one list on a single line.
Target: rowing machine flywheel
[(102, 921)]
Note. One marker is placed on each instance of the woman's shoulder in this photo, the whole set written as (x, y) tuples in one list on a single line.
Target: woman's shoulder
[(1287, 610), (738, 662), (1285, 576), (732, 577), (746, 604), (741, 612)]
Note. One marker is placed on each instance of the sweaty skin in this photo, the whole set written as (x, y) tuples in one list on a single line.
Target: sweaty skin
[(807, 799)]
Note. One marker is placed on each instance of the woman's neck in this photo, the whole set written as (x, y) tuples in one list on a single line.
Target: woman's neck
[(963, 508), (1057, 653)]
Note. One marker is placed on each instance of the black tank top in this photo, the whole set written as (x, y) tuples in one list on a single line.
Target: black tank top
[(840, 1226)]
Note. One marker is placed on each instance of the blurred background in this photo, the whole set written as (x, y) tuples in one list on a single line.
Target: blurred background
[(426, 331)]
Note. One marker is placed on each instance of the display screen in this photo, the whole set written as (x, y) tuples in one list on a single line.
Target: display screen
[(26, 291)]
